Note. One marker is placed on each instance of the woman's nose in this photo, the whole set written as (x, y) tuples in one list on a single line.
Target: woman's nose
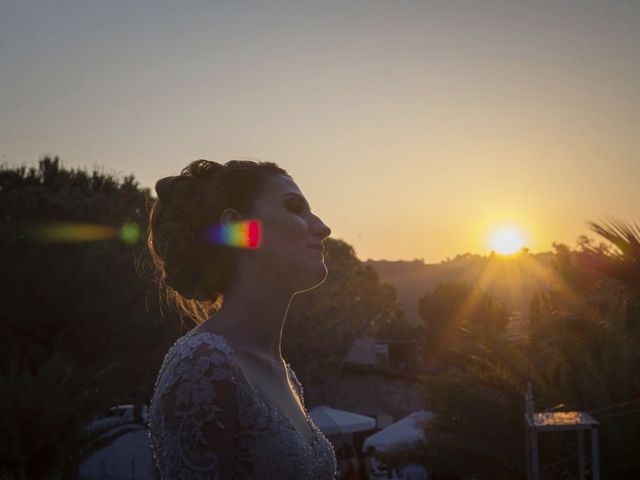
[(320, 229)]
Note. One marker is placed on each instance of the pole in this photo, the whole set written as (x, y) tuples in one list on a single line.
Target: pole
[(534, 454), (581, 453), (595, 460)]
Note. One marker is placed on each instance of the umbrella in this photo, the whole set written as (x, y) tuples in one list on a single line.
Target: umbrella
[(404, 432), (331, 421)]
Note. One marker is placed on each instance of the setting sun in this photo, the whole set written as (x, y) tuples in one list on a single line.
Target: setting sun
[(507, 241)]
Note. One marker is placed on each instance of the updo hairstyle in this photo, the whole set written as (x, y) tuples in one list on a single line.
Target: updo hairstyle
[(192, 272)]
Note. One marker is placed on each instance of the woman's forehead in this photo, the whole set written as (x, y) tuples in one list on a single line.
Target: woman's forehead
[(278, 186)]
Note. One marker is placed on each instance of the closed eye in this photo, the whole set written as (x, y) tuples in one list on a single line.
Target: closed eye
[(295, 207), (296, 204)]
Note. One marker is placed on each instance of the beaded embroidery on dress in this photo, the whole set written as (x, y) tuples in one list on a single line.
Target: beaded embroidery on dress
[(204, 411)]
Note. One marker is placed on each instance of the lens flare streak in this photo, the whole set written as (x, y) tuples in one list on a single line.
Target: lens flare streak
[(67, 232), (245, 234)]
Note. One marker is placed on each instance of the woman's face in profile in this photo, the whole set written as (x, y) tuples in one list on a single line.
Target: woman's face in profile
[(291, 250)]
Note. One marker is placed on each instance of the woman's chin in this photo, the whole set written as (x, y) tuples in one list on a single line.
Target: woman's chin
[(314, 279)]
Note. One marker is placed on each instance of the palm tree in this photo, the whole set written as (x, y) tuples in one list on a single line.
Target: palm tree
[(479, 406), (479, 402), (622, 266)]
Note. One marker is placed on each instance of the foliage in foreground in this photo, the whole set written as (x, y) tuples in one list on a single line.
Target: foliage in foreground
[(43, 420)]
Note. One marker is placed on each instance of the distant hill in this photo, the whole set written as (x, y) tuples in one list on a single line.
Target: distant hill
[(511, 280)]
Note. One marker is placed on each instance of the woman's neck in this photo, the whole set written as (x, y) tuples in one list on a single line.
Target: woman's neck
[(252, 316)]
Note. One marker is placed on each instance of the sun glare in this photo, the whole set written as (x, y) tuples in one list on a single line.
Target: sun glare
[(507, 241)]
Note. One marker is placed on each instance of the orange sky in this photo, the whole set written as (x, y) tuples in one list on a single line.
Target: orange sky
[(415, 129)]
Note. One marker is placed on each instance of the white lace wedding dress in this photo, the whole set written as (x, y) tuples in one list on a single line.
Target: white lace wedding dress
[(204, 412)]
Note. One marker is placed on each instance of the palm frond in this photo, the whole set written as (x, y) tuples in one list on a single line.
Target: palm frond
[(624, 265), (624, 235)]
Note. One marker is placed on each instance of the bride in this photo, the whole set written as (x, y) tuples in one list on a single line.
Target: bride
[(226, 404)]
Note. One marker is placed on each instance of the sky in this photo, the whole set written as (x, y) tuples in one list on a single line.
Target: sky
[(416, 129)]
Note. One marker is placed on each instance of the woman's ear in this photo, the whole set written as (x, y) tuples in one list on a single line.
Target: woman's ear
[(229, 216)]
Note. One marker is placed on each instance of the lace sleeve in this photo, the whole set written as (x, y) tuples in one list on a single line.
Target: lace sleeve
[(193, 415)]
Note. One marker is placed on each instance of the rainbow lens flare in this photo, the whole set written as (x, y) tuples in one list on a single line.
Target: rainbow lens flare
[(245, 234), (67, 232)]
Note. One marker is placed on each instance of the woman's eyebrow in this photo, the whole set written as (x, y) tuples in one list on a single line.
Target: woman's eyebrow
[(297, 196)]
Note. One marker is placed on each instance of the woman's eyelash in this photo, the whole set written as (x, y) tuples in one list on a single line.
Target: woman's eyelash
[(295, 207)]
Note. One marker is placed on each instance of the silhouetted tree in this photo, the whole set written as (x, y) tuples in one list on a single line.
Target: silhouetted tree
[(622, 263), (85, 301), (454, 304), (86, 298), (323, 323)]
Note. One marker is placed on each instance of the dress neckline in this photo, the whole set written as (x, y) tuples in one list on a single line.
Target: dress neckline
[(310, 444)]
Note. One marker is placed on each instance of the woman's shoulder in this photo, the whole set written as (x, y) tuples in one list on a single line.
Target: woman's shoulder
[(195, 343), (198, 354)]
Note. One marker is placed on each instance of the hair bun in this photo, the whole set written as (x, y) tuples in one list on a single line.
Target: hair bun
[(182, 191)]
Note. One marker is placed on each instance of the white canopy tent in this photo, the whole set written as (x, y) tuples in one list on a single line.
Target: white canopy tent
[(407, 431), (336, 422)]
